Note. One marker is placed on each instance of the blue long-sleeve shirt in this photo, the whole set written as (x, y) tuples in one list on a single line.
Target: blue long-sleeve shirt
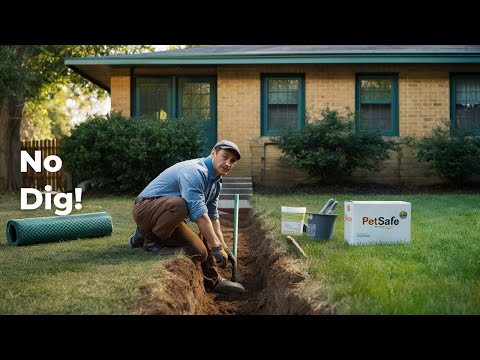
[(192, 180)]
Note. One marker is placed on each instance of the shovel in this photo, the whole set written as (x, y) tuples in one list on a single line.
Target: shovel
[(235, 237)]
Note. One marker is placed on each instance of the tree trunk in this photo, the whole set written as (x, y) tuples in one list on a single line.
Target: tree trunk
[(4, 145), (10, 120)]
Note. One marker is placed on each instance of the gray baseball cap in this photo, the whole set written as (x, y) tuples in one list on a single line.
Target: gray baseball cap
[(225, 144)]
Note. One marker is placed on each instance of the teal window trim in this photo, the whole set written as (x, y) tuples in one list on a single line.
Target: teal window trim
[(213, 92), (133, 88), (264, 100), (453, 89), (171, 112), (173, 94), (453, 96), (394, 100)]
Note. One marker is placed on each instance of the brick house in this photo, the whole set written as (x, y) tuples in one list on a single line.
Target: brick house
[(247, 93)]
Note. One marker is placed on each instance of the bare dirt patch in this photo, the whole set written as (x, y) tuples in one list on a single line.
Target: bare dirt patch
[(273, 285)]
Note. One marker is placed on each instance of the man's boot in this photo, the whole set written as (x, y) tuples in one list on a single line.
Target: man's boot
[(152, 244), (137, 239)]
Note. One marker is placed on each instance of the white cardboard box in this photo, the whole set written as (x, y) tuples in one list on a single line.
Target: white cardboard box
[(370, 222)]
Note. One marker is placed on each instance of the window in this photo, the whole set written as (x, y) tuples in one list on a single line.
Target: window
[(377, 103), (196, 100), (153, 97), (174, 97), (465, 101), (282, 103)]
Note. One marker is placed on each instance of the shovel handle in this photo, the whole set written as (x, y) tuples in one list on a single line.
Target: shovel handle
[(330, 212), (234, 269), (329, 202)]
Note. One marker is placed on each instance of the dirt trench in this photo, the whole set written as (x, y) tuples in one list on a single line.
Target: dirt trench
[(272, 287)]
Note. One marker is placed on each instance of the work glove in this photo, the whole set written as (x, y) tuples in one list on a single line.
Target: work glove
[(221, 257), (230, 255)]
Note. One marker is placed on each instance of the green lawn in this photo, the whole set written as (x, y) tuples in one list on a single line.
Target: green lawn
[(86, 276), (437, 273)]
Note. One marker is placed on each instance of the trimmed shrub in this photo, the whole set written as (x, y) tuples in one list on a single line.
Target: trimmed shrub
[(330, 148), (123, 154), (453, 153)]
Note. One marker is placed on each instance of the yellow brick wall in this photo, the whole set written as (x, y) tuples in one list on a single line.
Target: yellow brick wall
[(120, 90), (238, 113), (423, 104)]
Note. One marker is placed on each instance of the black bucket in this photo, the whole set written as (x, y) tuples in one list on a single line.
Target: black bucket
[(321, 226)]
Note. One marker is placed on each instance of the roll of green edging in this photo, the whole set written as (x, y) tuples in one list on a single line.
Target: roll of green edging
[(42, 230)]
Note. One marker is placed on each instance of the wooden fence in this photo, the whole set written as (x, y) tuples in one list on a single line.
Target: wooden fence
[(58, 180)]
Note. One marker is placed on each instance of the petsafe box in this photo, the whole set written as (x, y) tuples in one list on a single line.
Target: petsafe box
[(375, 222)]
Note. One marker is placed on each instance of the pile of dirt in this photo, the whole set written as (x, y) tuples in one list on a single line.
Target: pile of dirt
[(182, 291), (271, 279)]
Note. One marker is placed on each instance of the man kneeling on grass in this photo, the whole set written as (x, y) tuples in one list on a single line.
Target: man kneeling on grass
[(189, 188)]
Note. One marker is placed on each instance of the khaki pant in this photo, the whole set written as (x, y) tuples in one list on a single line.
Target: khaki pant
[(162, 220)]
